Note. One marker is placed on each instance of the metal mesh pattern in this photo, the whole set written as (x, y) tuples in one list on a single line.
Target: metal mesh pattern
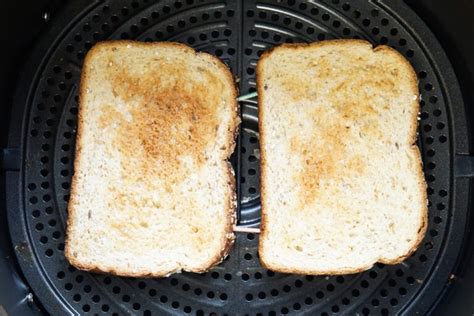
[(238, 33)]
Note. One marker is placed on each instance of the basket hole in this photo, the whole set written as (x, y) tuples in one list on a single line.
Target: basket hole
[(76, 297), (151, 292), (402, 291)]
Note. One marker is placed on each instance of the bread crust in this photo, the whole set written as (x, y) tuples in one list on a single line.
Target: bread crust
[(263, 159), (228, 237)]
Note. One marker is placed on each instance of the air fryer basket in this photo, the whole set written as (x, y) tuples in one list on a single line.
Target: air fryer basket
[(42, 137)]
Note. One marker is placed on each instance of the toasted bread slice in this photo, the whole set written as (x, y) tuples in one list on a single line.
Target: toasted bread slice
[(342, 185), (153, 192)]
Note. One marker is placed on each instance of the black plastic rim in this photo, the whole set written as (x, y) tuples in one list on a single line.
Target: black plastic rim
[(43, 128)]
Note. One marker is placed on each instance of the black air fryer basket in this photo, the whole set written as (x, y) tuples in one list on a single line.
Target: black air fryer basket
[(38, 161)]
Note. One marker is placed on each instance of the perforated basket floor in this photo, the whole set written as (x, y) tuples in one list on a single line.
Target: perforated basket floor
[(44, 126)]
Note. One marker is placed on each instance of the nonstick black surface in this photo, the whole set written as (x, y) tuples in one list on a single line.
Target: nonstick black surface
[(42, 134)]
